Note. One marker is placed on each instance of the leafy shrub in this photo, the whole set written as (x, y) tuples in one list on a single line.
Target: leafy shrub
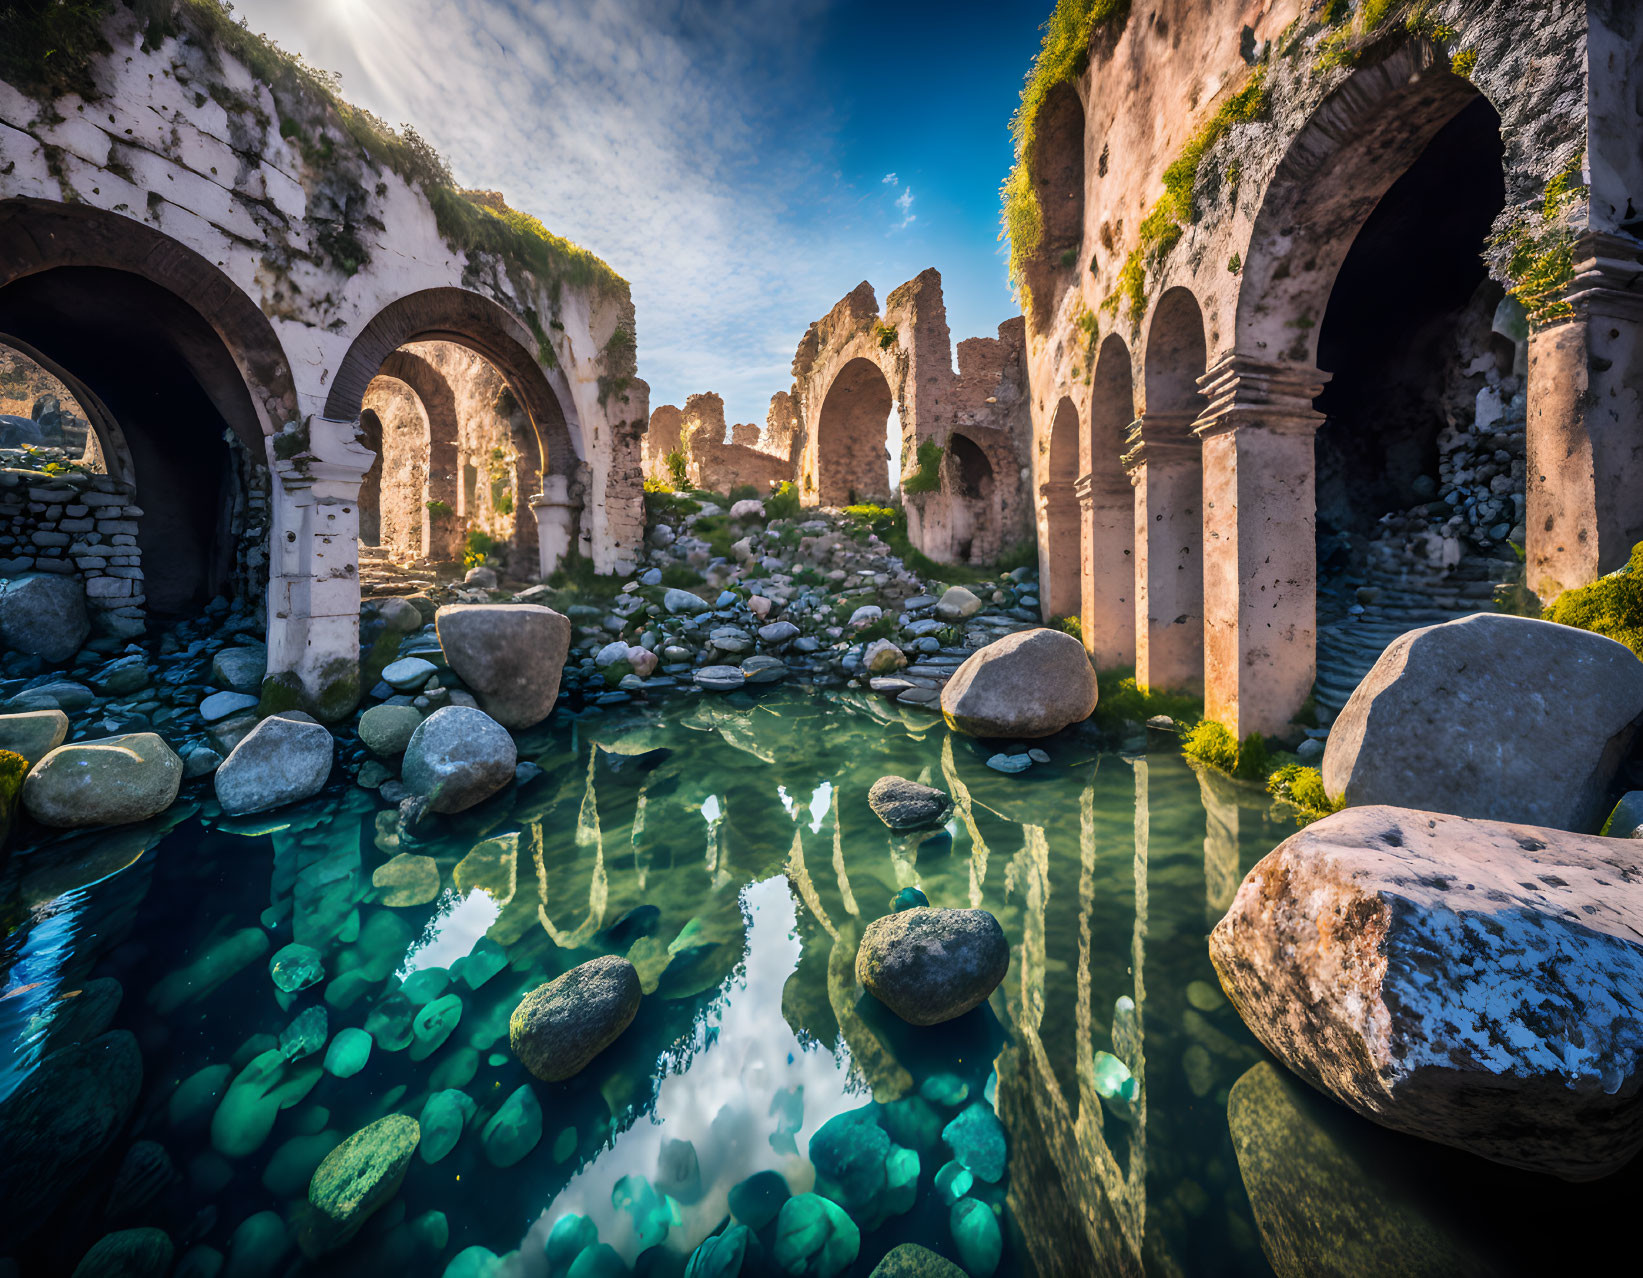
[(715, 530), (682, 576), (1024, 554), (478, 549), (1611, 605), (439, 509), (927, 478), (1072, 625), (783, 503), (742, 492), (678, 467), (1213, 744), (1303, 789), (1122, 700)]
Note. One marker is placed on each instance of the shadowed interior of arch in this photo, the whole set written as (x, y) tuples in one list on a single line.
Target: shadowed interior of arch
[(852, 459)]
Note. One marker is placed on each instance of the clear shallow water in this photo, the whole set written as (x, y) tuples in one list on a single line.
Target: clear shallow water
[(726, 846)]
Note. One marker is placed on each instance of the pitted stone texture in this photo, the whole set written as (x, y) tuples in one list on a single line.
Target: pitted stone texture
[(1029, 684), (43, 614), (510, 655), (282, 760), (905, 805), (928, 965), (114, 781), (1490, 716), (1470, 982), (558, 1028), (458, 757)]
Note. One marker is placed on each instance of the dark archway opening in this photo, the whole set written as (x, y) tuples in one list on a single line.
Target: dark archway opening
[(171, 383), (1408, 339), (967, 476)]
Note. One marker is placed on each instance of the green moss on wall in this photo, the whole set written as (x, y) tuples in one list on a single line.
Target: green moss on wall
[(1611, 605), (1213, 744), (927, 478)]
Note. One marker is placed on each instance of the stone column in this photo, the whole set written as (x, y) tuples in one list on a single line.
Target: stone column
[(313, 579), (1260, 541), (1165, 470), (1584, 488), (1106, 506), (1059, 556), (555, 522)]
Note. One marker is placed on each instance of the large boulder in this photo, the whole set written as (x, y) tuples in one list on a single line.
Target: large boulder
[(510, 655), (282, 760), (1490, 716), (561, 1026), (33, 733), (928, 965), (115, 781), (354, 1180), (1471, 982), (458, 757), (43, 614), (1029, 684), (906, 805)]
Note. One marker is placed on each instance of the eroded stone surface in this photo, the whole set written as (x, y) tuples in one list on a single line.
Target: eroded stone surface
[(1471, 982), (561, 1026), (928, 965), (510, 655), (1030, 684)]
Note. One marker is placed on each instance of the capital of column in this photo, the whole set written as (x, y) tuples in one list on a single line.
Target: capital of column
[(1247, 391), (1158, 439), (323, 454), (1059, 493), (1095, 486), (1608, 275)]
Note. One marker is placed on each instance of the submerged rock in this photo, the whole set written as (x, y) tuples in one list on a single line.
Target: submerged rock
[(976, 1138), (1491, 716), (1471, 982), (282, 760), (909, 1260), (458, 757), (976, 1237), (443, 1118), (296, 967), (906, 805), (128, 1253), (561, 1026), (510, 655), (115, 781), (928, 965), (357, 1178), (755, 1201), (814, 1238), (1029, 684), (514, 1130)]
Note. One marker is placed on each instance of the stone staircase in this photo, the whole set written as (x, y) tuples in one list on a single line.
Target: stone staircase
[(380, 574), (1360, 614)]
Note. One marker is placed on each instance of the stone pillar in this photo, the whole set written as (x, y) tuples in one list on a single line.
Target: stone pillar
[(1106, 506), (555, 522), (313, 579), (1584, 488), (442, 532), (1059, 555), (1260, 541), (1165, 470)]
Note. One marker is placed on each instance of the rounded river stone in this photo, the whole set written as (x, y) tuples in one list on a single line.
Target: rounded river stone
[(561, 1026), (928, 965)]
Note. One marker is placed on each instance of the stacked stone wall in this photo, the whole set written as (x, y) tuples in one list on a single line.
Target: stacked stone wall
[(82, 526)]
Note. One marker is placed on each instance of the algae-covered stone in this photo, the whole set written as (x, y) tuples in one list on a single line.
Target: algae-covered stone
[(756, 1200), (848, 1151), (514, 1130), (561, 1026), (391, 1022), (433, 1025), (406, 880), (128, 1253), (348, 1052), (457, 757), (976, 1138), (267, 1084), (357, 1178), (386, 730), (443, 1118), (306, 1034), (295, 967), (115, 781), (929, 965), (33, 733), (976, 1237), (909, 1260), (282, 760), (814, 1238), (953, 1181)]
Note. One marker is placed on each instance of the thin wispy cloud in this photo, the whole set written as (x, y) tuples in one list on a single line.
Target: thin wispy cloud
[(904, 202)]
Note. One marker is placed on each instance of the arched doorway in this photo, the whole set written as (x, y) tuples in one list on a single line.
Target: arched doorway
[(403, 425), (968, 482), (1167, 467), (852, 460), (1059, 550), (1108, 543)]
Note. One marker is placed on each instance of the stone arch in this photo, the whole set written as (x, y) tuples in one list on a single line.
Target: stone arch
[(110, 439), (1056, 170), (1108, 502), (470, 320), (852, 462), (1059, 549), (1359, 141), (441, 532), (404, 433), (254, 392), (1175, 356)]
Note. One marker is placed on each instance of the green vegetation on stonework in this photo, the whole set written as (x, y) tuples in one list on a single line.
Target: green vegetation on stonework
[(1213, 744), (678, 467), (885, 335), (1302, 788), (49, 48), (1164, 225), (439, 509), (1121, 700), (13, 768), (477, 549), (1540, 250), (1062, 56), (1072, 625), (619, 357), (1611, 605), (927, 478), (783, 503)]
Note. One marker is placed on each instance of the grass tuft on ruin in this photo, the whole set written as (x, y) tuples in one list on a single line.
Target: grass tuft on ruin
[(1611, 605)]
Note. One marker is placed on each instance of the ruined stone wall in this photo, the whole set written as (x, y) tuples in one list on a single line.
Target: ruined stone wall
[(77, 525), (698, 432), (404, 467)]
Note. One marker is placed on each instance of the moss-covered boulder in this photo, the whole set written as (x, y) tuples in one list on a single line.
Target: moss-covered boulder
[(116, 781), (356, 1179), (561, 1026)]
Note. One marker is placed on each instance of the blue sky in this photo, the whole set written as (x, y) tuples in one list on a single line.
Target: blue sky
[(743, 164)]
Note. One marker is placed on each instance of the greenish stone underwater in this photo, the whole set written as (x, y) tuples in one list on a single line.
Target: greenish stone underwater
[(222, 1030)]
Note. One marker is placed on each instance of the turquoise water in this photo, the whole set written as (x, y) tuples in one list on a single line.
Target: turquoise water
[(727, 848)]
